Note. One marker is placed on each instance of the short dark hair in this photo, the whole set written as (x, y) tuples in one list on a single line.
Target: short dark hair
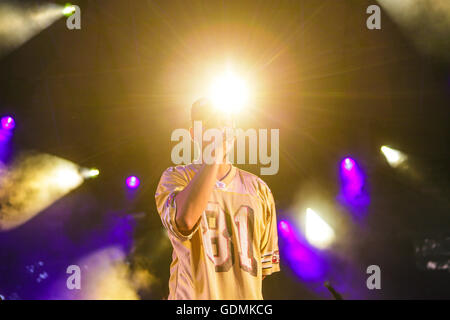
[(204, 110)]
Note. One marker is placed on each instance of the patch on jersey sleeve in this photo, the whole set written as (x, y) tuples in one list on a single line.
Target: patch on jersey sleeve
[(270, 258), (276, 257)]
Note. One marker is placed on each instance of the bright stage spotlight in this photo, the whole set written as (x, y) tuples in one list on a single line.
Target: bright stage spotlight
[(132, 182), (393, 157), (317, 231), (348, 164), (229, 93), (68, 10), (8, 123), (90, 173), (66, 178)]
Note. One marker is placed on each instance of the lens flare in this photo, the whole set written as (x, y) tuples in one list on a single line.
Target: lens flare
[(229, 93), (318, 232)]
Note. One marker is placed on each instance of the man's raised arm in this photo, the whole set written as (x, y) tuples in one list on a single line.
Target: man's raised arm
[(192, 200)]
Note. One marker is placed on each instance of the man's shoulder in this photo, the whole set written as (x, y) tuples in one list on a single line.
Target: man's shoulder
[(179, 174), (252, 179), (183, 169)]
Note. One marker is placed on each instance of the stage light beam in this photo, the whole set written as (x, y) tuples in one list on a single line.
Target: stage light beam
[(31, 184), (393, 157), (229, 93), (20, 21), (317, 231), (426, 22)]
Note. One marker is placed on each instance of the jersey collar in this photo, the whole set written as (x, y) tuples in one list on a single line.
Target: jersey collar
[(221, 184), (227, 180)]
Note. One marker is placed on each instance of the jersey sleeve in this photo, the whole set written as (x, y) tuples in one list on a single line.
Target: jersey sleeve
[(270, 257), (172, 181)]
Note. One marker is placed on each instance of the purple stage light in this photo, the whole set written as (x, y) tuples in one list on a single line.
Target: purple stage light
[(304, 260), (353, 190), (6, 132), (8, 123), (133, 182), (352, 177), (348, 164), (284, 226), (286, 231)]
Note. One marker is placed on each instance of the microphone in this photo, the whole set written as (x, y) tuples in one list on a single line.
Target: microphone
[(335, 294)]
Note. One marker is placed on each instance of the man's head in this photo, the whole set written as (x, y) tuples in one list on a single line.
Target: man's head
[(203, 111)]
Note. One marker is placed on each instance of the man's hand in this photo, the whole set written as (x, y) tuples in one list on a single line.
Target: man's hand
[(192, 200), (224, 145)]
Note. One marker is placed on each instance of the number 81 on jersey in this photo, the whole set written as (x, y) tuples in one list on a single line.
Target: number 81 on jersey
[(217, 237)]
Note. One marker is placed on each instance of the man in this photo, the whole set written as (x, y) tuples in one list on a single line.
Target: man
[(221, 222)]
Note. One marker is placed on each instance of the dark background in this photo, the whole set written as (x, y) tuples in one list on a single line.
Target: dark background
[(110, 94)]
